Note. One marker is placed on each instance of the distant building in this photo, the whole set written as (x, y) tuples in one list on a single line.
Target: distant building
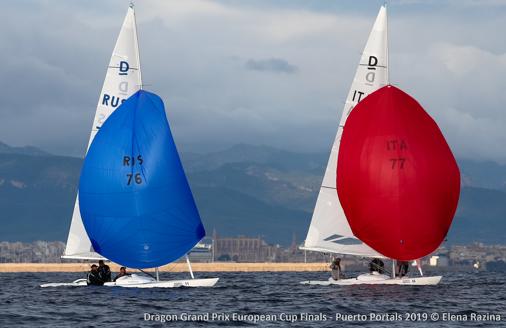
[(255, 249), (202, 252), (439, 261), (244, 249)]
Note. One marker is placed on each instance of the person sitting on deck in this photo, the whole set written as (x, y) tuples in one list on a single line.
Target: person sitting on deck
[(376, 265), (104, 271), (402, 268), (122, 273), (335, 266), (93, 277)]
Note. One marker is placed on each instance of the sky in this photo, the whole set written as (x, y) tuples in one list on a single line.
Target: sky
[(260, 72)]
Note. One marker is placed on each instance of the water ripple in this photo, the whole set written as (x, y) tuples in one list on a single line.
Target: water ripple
[(24, 304)]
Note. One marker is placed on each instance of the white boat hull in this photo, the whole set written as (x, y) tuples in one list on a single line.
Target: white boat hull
[(76, 283), (138, 281), (208, 282), (377, 279)]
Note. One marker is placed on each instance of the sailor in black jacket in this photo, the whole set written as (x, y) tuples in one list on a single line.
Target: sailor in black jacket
[(104, 272), (93, 277)]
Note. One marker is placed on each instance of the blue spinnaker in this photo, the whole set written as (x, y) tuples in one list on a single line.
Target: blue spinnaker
[(135, 201)]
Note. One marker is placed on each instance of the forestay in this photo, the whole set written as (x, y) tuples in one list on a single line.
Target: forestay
[(329, 230), (123, 79)]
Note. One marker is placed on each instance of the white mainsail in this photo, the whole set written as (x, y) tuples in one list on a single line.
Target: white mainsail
[(329, 231), (123, 79)]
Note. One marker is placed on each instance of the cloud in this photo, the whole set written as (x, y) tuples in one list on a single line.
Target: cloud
[(462, 60), (471, 3), (199, 57), (275, 65)]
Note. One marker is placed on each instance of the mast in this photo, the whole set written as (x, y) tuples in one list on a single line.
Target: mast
[(387, 54), (138, 56)]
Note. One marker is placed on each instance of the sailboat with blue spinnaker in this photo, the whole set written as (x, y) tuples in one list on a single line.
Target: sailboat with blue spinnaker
[(134, 205)]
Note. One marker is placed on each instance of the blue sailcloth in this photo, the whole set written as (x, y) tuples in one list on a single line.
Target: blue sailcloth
[(135, 201)]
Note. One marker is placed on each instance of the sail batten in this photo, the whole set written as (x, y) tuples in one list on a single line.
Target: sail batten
[(123, 78), (328, 216)]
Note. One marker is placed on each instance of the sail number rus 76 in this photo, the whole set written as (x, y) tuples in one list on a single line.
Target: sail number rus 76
[(131, 161)]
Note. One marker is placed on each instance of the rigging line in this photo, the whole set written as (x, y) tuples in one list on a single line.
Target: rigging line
[(147, 273), (171, 267), (138, 53)]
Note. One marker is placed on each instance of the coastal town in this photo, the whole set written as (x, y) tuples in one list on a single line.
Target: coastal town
[(245, 249)]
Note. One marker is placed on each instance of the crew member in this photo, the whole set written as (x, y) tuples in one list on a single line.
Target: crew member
[(93, 277), (335, 266), (104, 271), (376, 265), (402, 268), (122, 273)]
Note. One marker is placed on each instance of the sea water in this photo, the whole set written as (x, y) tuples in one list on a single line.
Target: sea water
[(262, 299)]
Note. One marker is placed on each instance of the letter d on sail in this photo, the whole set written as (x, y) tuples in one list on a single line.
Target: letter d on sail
[(123, 68)]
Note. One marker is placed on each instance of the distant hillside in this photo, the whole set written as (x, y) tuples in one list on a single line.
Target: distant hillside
[(27, 150), (489, 175), (481, 216), (243, 153), (248, 190), (36, 196)]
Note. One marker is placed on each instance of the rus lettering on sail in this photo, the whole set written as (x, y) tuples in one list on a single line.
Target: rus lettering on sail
[(112, 101), (132, 160)]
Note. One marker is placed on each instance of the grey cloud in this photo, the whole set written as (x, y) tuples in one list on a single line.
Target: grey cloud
[(55, 53), (275, 65)]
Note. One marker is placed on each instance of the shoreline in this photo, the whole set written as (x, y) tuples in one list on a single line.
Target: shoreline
[(173, 267)]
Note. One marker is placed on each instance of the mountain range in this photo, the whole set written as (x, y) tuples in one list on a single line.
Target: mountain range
[(243, 190)]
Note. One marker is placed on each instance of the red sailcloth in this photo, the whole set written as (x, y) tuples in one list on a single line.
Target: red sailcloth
[(397, 179)]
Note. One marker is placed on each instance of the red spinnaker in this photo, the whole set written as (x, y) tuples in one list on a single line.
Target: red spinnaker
[(397, 179)]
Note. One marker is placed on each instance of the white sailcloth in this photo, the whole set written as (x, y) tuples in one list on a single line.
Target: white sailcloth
[(329, 230), (123, 79)]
